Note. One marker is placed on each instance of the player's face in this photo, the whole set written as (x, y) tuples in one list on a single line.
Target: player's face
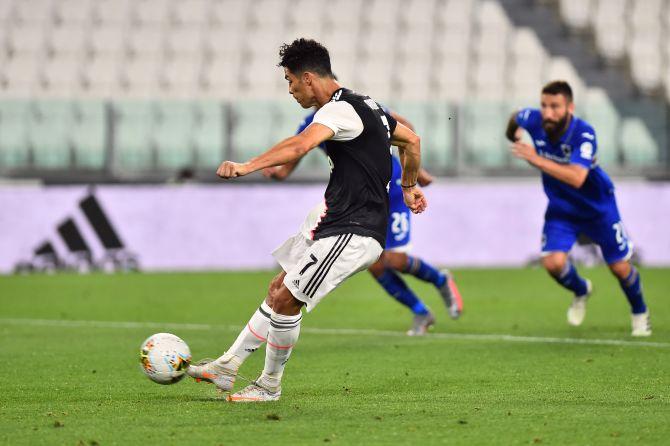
[(556, 110), (299, 87)]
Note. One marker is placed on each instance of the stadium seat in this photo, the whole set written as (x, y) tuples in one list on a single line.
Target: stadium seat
[(140, 77), (209, 134), (191, 13), (599, 111), (134, 147), (111, 12), (14, 133), (20, 75), (179, 77), (49, 124), (27, 39), (419, 14), (67, 41), (222, 76), (184, 42), (6, 13), (102, 77), (145, 43), (87, 134), (639, 147), (333, 14), (456, 15), (73, 12), (253, 131), (484, 128), (382, 14), (576, 13), (173, 132), (108, 40), (62, 76), (35, 13), (150, 13), (229, 14)]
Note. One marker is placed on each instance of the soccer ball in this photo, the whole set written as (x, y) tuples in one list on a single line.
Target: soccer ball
[(164, 358)]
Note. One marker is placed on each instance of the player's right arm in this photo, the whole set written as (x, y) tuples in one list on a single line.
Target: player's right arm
[(287, 151), (409, 149), (513, 132), (282, 172)]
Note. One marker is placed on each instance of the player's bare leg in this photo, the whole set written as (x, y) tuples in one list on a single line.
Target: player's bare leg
[(395, 286), (557, 265), (282, 335), (442, 280), (629, 279), (223, 371)]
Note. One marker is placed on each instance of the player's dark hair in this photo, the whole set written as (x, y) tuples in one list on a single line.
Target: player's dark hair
[(558, 87), (305, 55)]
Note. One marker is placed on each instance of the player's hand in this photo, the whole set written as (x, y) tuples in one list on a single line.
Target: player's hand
[(415, 200), (524, 151), (229, 169)]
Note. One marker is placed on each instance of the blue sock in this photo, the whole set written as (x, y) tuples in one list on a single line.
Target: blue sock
[(424, 271), (396, 287), (571, 280), (632, 287)]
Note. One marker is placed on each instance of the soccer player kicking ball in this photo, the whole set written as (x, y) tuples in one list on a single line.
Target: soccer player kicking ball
[(581, 200), (341, 236), (396, 257)]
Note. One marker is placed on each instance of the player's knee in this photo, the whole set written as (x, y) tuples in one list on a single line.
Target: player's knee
[(377, 268), (621, 269), (554, 264), (284, 303), (395, 260)]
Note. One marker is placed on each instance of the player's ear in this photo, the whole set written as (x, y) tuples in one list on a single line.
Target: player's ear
[(571, 107), (307, 78)]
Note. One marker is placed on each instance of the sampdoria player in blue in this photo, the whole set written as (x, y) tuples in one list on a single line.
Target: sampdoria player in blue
[(395, 257), (581, 200)]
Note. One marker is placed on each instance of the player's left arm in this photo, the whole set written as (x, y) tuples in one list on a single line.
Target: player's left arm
[(424, 178), (409, 148), (287, 151), (573, 174)]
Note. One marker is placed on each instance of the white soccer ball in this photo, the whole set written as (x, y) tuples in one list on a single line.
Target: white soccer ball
[(165, 358)]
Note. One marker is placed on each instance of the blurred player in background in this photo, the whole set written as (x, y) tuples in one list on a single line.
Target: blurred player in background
[(395, 257), (581, 200), (342, 235)]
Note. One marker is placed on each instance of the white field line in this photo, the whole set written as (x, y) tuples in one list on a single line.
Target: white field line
[(328, 331)]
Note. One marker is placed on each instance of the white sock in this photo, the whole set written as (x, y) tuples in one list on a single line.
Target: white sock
[(283, 334), (250, 338)]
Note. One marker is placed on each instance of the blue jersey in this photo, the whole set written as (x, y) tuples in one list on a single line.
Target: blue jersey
[(578, 145), (398, 232)]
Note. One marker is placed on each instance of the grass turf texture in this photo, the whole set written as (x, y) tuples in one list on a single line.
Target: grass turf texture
[(83, 385)]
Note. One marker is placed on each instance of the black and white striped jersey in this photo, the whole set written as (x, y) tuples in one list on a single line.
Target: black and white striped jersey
[(356, 199)]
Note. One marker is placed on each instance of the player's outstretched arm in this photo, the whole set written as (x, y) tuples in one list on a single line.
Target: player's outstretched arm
[(572, 174), (282, 172), (409, 148), (287, 151)]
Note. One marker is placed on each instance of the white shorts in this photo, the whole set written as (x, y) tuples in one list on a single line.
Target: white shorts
[(316, 267)]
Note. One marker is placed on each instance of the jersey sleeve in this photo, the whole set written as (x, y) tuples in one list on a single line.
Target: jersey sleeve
[(529, 118), (341, 118), (584, 148), (391, 120)]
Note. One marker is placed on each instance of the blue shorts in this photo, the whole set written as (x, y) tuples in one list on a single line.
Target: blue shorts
[(560, 233), (399, 230)]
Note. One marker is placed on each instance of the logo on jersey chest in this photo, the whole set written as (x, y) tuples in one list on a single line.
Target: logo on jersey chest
[(561, 156)]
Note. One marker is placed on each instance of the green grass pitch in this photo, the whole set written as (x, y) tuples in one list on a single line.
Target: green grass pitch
[(510, 371)]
